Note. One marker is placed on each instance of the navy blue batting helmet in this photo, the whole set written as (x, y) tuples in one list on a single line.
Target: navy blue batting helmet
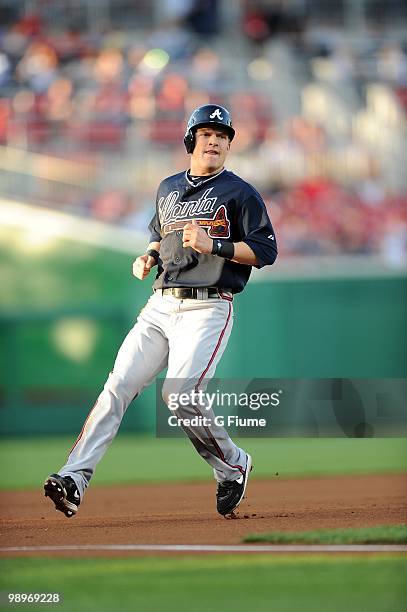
[(207, 115)]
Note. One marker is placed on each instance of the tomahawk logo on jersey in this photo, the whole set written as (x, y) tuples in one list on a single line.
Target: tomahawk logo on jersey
[(228, 208), (217, 226)]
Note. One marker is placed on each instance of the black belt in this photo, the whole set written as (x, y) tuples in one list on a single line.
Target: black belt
[(193, 293)]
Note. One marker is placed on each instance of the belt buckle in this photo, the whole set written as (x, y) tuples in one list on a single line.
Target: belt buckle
[(197, 293)]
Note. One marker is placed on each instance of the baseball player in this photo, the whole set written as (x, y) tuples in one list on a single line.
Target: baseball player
[(210, 227)]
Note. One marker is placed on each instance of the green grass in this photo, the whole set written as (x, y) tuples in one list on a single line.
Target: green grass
[(25, 462), (223, 582), (386, 534)]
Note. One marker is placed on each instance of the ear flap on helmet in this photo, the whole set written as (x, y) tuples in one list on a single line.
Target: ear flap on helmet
[(189, 141)]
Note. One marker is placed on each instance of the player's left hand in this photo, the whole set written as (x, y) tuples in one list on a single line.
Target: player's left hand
[(195, 237)]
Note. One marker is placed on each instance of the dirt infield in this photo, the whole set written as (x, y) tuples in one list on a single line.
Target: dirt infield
[(185, 513)]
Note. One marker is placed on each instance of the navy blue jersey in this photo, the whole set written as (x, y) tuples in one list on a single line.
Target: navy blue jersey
[(229, 209)]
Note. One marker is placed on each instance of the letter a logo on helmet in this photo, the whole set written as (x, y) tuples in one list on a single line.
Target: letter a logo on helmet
[(217, 114), (207, 115)]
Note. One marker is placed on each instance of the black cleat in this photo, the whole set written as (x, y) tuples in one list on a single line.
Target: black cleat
[(231, 492), (64, 493)]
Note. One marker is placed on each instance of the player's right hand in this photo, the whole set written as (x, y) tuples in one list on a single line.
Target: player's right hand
[(142, 266)]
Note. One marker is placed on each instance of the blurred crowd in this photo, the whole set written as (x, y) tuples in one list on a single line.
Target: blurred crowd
[(320, 119)]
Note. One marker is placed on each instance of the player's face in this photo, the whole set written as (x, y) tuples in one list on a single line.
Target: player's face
[(211, 147)]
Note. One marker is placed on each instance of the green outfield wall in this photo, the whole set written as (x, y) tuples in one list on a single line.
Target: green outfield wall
[(68, 298), (54, 360)]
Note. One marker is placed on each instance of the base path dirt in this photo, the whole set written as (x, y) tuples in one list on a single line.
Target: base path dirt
[(185, 513)]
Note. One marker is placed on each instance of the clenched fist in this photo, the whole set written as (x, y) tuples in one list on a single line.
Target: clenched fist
[(195, 237), (142, 266)]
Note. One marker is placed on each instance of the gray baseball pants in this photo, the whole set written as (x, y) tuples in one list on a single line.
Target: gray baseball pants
[(186, 336)]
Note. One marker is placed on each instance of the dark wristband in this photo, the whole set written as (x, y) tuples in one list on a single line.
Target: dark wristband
[(222, 248), (153, 253)]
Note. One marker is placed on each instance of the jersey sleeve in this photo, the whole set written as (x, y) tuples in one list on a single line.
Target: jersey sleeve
[(155, 225), (155, 229), (256, 229)]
